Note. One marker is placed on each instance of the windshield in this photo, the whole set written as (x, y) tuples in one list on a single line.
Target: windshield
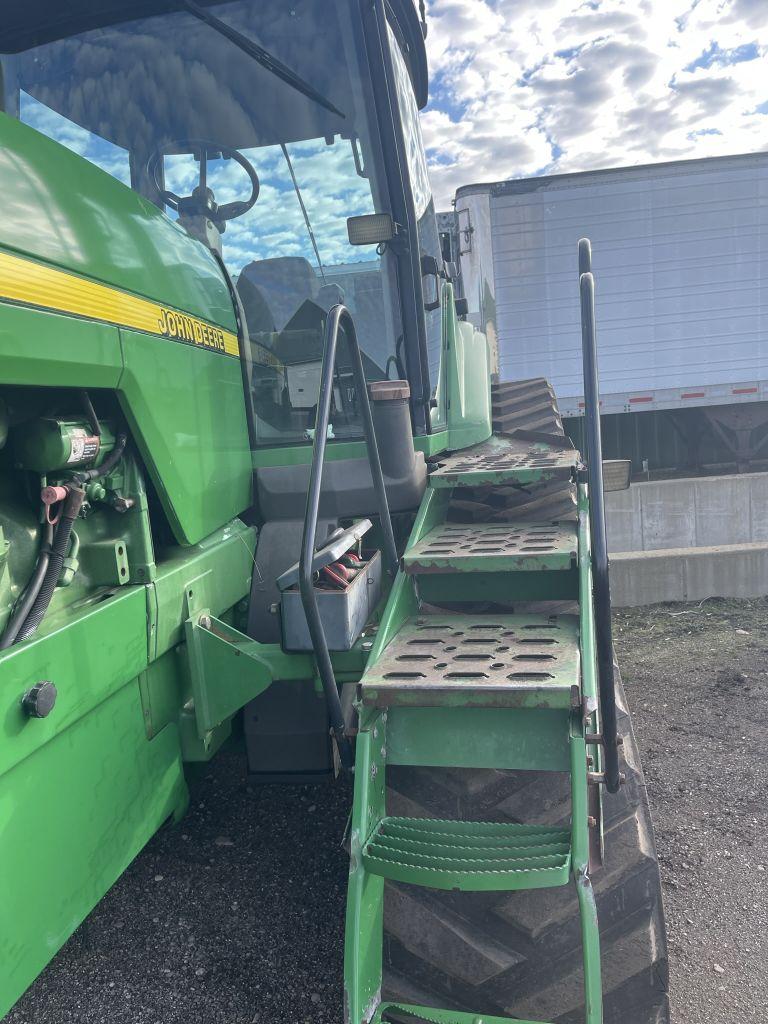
[(139, 98)]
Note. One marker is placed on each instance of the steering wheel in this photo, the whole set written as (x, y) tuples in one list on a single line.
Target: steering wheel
[(202, 200)]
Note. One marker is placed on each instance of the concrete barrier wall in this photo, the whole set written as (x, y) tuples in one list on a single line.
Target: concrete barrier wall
[(689, 539), (689, 513)]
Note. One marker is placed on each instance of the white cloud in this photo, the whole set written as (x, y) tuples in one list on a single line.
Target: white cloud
[(524, 87)]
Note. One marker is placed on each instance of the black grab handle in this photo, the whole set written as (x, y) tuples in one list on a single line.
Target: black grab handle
[(337, 314), (600, 580)]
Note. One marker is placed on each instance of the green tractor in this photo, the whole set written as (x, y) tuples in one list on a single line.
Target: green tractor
[(250, 497)]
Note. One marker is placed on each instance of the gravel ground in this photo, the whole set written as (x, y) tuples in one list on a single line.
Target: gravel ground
[(236, 916), (697, 680)]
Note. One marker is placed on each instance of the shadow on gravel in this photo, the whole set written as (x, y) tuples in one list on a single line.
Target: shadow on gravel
[(234, 916)]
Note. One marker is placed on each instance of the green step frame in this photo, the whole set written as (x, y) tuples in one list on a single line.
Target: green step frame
[(460, 728), (413, 1014)]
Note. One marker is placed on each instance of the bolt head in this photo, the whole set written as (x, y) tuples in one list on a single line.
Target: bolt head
[(39, 700), (204, 621)]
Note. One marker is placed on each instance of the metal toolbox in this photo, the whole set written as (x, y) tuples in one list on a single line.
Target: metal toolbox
[(344, 613)]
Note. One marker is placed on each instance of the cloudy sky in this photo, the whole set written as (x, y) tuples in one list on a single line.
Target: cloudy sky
[(524, 87)]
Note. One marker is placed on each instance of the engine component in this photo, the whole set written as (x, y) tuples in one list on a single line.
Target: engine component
[(49, 444)]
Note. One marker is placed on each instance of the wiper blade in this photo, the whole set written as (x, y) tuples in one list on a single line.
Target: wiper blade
[(262, 56)]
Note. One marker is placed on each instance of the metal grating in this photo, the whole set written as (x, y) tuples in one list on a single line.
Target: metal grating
[(494, 547), (501, 459), (477, 660)]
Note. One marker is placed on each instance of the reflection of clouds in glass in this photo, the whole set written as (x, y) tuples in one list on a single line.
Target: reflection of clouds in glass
[(106, 155), (330, 188)]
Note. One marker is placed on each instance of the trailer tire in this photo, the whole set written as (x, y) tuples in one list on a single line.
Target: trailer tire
[(519, 954)]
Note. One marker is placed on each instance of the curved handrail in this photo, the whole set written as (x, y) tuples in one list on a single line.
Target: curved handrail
[(336, 316), (601, 583)]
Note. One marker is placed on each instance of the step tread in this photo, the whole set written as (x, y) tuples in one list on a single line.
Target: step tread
[(433, 1015), (523, 459), (494, 547), (468, 855), (482, 660)]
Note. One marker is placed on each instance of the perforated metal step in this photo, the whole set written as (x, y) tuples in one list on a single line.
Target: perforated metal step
[(523, 460), (524, 661), (472, 856), (494, 547)]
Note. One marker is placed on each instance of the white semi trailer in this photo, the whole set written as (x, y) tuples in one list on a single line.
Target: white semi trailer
[(680, 255)]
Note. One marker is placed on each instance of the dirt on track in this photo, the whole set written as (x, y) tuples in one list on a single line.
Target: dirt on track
[(236, 916)]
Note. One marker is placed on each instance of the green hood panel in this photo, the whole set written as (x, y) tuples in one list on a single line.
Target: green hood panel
[(61, 209)]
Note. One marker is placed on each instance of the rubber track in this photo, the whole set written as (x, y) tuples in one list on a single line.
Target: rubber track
[(519, 954)]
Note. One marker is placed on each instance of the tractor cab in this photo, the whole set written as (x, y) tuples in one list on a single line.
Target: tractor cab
[(250, 496), (286, 138)]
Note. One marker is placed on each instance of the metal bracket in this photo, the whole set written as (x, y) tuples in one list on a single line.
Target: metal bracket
[(227, 669)]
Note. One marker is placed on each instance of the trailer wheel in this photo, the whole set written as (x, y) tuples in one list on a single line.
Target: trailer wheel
[(519, 954)]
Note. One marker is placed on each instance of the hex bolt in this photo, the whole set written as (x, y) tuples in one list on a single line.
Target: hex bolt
[(204, 621)]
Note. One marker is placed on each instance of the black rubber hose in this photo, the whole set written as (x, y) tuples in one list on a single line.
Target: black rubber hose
[(107, 465), (30, 592), (72, 505)]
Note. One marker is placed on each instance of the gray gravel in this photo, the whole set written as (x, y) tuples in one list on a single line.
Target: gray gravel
[(697, 680), (236, 916)]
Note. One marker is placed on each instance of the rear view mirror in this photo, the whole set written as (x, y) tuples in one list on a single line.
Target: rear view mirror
[(616, 473), (370, 229)]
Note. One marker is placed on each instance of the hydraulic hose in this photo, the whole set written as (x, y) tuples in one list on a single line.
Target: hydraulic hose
[(30, 592), (72, 504)]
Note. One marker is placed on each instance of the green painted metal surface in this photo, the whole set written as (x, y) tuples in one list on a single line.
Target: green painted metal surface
[(217, 571), (505, 691), (227, 670), (364, 927), (491, 661), (67, 352), (301, 455), (63, 210), (468, 856), (505, 460), (465, 387), (493, 547), (507, 738), (434, 1015), (187, 415), (82, 790)]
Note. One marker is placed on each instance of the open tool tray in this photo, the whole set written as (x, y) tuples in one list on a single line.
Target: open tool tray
[(344, 613)]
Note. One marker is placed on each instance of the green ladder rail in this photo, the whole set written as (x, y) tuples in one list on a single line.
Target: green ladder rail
[(462, 689)]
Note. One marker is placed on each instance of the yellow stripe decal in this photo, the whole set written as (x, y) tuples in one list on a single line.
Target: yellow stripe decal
[(22, 280)]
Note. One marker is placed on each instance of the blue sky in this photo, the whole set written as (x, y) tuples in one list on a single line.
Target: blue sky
[(525, 87), (518, 88)]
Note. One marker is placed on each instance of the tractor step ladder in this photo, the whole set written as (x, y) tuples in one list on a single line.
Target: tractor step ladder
[(408, 1013), (462, 689)]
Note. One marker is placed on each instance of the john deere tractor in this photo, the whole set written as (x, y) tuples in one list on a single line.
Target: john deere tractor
[(251, 496)]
